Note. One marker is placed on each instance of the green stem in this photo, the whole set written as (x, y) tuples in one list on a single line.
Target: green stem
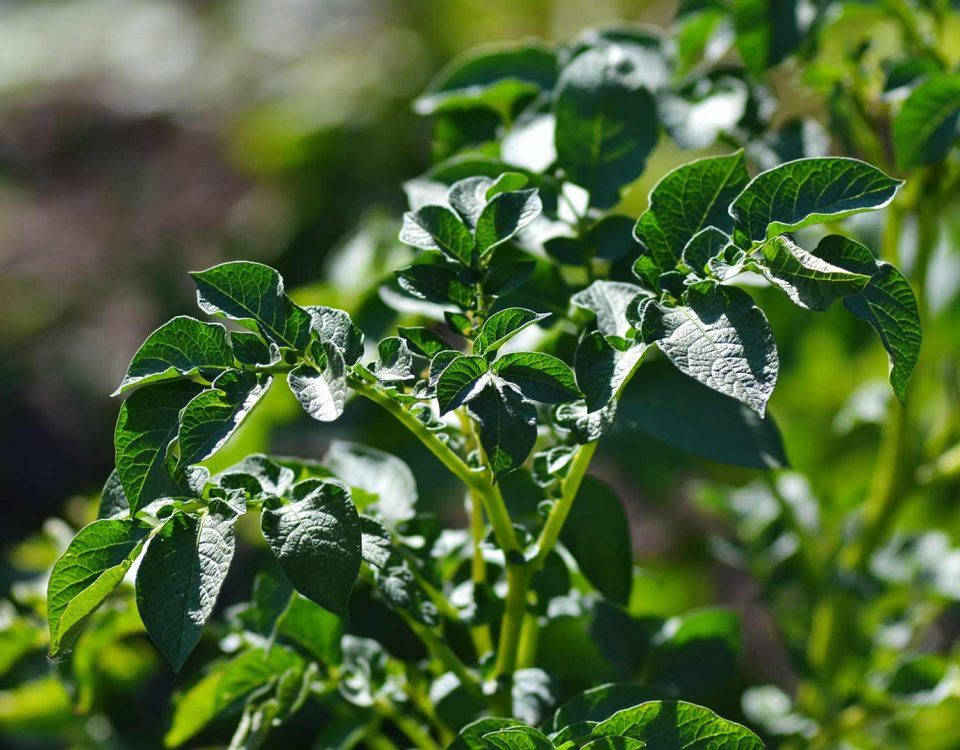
[(482, 639), (561, 509), (409, 726), (377, 740), (444, 654)]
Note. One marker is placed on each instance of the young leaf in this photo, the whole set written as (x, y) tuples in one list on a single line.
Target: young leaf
[(423, 341), (395, 362), (437, 283), (251, 350), (375, 543), (585, 424), (468, 197), (809, 281), (382, 475), (887, 303), (269, 478), (676, 725), (180, 347), (461, 380), (721, 339), (321, 392), (316, 538), (597, 534), (809, 191), (83, 577), (504, 216), (438, 228), (609, 300), (336, 327), (508, 426), (503, 326), (925, 128), (180, 577), (148, 423), (471, 736), (606, 121), (518, 738), (688, 199), (245, 292), (705, 245), (212, 416), (540, 377), (601, 370)]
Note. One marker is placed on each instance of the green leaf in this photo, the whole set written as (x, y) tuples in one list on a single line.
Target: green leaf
[(925, 128), (92, 566), (688, 199), (614, 743), (471, 736), (313, 629), (251, 350), (180, 577), (382, 475), (765, 32), (540, 377), (810, 191), (461, 380), (597, 534), (113, 501), (602, 370), (586, 425), (721, 339), (316, 539), (599, 703), (468, 197), (502, 326), (508, 426), (223, 687), (376, 545), (606, 121), (439, 363), (492, 77), (887, 303), (505, 215), (213, 415), (147, 425), (423, 341), (335, 326), (609, 300), (246, 292), (808, 281), (395, 361), (692, 418), (437, 283), (180, 347), (438, 228), (321, 392), (402, 592), (705, 245), (676, 725), (518, 738), (258, 473)]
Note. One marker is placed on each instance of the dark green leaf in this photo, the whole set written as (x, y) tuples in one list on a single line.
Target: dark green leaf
[(251, 350), (212, 416), (614, 743), (809, 281), (423, 341), (92, 566), (598, 536), (504, 216), (246, 291), (706, 244), (375, 544), (180, 347), (313, 629), (599, 703), (439, 363), (468, 198), (518, 738), (676, 725), (321, 392), (335, 326), (540, 377), (688, 199), (925, 128), (606, 120), (765, 32), (809, 191), (316, 538), (113, 501), (470, 737), (887, 303), (395, 361), (461, 380), (586, 425), (382, 475), (602, 370), (179, 579), (608, 300), (695, 654), (437, 283), (438, 228), (269, 478), (721, 339), (401, 591), (503, 326), (508, 426), (147, 425)]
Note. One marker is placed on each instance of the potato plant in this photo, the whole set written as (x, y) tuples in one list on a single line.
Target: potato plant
[(542, 303)]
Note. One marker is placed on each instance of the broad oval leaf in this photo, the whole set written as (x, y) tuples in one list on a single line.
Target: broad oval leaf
[(809, 281), (437, 283), (423, 341), (508, 426), (212, 416), (540, 377), (720, 338), (705, 245), (687, 200), (252, 292), (147, 425), (381, 474), (316, 538), (91, 567), (180, 347), (518, 738), (887, 303), (252, 350), (461, 380), (601, 702), (113, 500), (810, 191), (677, 725), (321, 392), (925, 128), (606, 121), (503, 326), (505, 215), (609, 300), (602, 370), (438, 228), (180, 577)]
